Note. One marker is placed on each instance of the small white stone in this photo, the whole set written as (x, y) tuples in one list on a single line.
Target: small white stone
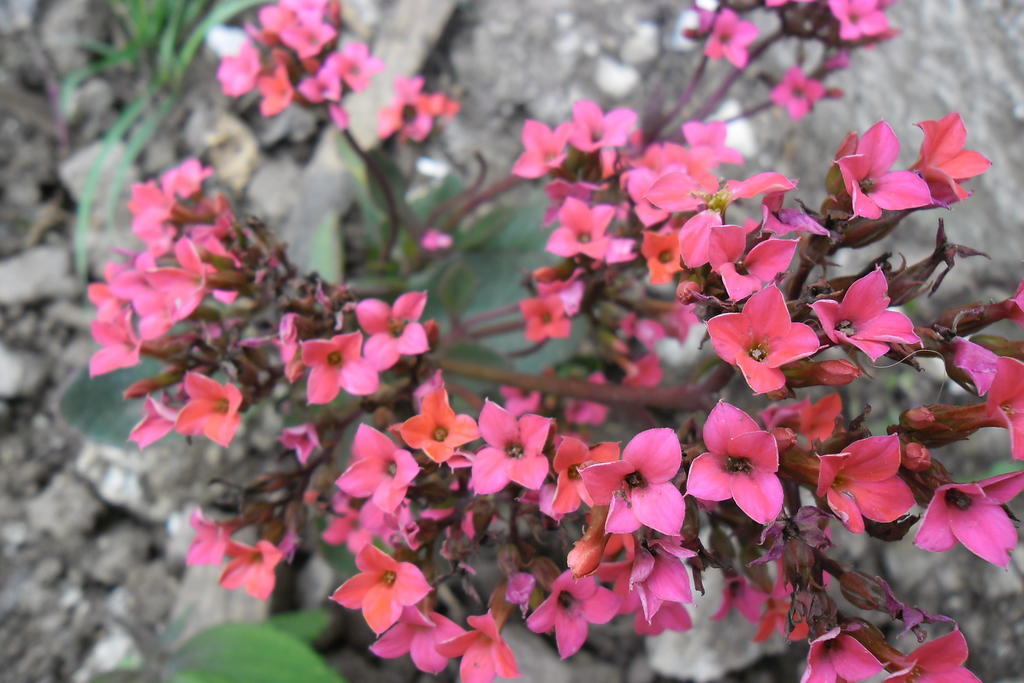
[(614, 78), (226, 41), (642, 46)]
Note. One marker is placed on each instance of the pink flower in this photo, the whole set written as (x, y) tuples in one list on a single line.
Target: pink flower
[(252, 568), (709, 138), (519, 401), (211, 541), (545, 318), (182, 288), (738, 594), (797, 93), (151, 210), (337, 363), (394, 330), (761, 338), (276, 89), (978, 362), (571, 606), (302, 439), (973, 514), (186, 179), (417, 635), (435, 240), (571, 456), (485, 654), (325, 84), (544, 149), (121, 344), (382, 588), (379, 470), (639, 487), (741, 463), (308, 39), (701, 237), (861, 319), (237, 73), (212, 409), (582, 230), (859, 18), (357, 66), (836, 656), (1005, 401), (862, 481), (869, 182), (730, 37), (157, 423), (514, 450), (745, 273), (658, 576), (944, 162), (782, 221), (592, 129), (938, 661)]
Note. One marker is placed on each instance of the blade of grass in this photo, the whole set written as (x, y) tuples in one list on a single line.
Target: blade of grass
[(92, 181), (218, 15), (138, 139), (127, 53)]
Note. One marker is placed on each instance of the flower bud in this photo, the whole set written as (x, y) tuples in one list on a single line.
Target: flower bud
[(585, 556), (785, 438), (686, 292), (916, 457), (830, 373), (863, 591)]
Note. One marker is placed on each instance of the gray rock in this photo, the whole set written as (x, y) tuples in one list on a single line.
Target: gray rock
[(642, 45), (710, 649), (272, 189), (109, 651), (21, 373), (64, 509), (38, 273), (16, 15), (115, 552), (295, 124), (59, 26), (75, 171)]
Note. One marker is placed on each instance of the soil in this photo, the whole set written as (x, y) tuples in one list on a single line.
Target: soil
[(93, 536)]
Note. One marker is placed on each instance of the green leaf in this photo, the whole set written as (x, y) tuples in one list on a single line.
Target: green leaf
[(457, 288), (306, 625), (327, 249), (248, 653), (369, 198), (437, 194), (95, 406)]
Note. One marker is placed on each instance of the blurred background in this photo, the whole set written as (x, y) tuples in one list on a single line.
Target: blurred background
[(97, 94)]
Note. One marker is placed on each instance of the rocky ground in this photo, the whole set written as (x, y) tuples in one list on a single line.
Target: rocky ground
[(93, 536)]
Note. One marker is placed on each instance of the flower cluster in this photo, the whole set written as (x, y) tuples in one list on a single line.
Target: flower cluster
[(649, 241)]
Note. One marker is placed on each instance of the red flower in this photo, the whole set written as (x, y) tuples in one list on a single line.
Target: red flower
[(212, 409)]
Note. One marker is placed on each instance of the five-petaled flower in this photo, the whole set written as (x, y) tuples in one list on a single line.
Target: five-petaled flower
[(762, 338), (639, 488), (741, 463), (862, 320), (862, 481), (571, 606), (437, 430), (382, 588), (973, 514), (212, 409)]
